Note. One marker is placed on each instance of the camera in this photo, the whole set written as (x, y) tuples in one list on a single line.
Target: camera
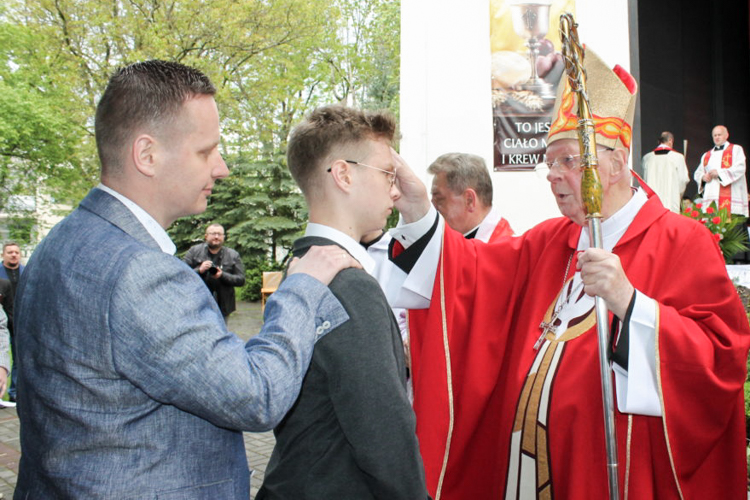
[(213, 269)]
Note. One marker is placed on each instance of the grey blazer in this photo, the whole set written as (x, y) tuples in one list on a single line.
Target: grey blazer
[(131, 386)]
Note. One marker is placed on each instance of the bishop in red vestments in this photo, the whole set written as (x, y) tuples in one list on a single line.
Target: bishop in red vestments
[(505, 364)]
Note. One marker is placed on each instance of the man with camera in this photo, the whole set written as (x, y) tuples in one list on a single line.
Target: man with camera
[(219, 266)]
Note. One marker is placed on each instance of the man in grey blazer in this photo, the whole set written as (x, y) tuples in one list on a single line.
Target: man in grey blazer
[(131, 386)]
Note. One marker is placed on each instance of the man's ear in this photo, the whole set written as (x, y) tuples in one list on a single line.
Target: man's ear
[(341, 172), (144, 151), (470, 200), (619, 165)]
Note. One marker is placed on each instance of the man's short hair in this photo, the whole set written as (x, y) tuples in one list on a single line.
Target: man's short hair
[(463, 171), (328, 128), (10, 244), (148, 94), (665, 137)]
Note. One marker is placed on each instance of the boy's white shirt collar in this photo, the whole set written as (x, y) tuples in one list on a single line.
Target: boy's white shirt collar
[(353, 247)]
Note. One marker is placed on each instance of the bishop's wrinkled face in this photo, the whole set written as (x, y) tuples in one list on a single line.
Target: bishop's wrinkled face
[(564, 176)]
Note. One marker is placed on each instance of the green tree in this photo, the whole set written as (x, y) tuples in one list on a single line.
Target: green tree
[(364, 63), (271, 61), (38, 144)]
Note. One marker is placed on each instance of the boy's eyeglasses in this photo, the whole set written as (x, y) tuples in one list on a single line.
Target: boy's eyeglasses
[(390, 174)]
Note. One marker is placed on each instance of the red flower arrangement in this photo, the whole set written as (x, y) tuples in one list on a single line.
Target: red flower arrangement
[(727, 229)]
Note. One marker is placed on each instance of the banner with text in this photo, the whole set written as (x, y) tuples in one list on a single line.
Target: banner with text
[(526, 69)]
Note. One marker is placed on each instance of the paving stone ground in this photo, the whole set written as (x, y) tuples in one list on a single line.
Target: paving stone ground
[(245, 322)]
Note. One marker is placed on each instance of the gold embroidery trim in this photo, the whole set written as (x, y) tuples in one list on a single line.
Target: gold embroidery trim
[(448, 372), (663, 407), (533, 439), (627, 456)]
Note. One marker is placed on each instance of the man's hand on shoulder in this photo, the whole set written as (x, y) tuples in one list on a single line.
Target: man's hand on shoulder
[(323, 263)]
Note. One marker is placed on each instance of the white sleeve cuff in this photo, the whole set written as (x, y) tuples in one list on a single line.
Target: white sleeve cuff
[(637, 388), (407, 234)]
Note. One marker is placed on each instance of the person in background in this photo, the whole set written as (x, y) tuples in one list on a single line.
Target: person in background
[(462, 193), (6, 299), (11, 270), (219, 266), (666, 172), (4, 356), (721, 174)]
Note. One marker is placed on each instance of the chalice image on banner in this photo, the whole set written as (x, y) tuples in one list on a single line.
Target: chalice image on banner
[(531, 22)]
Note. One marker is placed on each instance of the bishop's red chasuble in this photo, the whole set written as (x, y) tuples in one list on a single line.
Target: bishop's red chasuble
[(491, 408)]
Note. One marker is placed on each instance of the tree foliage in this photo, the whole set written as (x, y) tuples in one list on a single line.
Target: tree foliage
[(38, 143), (272, 62)]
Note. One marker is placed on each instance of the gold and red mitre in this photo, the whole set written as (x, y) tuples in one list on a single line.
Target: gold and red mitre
[(612, 94)]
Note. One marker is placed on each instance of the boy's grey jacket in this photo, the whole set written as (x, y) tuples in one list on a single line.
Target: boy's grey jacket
[(130, 385), (352, 432)]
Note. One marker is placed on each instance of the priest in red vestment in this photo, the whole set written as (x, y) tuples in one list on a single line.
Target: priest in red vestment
[(462, 194), (505, 365)]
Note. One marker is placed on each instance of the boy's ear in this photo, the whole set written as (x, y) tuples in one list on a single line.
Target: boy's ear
[(341, 172)]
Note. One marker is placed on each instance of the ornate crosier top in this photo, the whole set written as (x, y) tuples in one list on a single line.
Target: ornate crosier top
[(591, 187)]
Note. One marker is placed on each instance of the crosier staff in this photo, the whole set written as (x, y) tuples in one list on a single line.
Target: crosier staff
[(591, 192)]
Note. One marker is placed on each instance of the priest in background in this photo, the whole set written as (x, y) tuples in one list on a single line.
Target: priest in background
[(721, 174), (666, 172), (462, 193)]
